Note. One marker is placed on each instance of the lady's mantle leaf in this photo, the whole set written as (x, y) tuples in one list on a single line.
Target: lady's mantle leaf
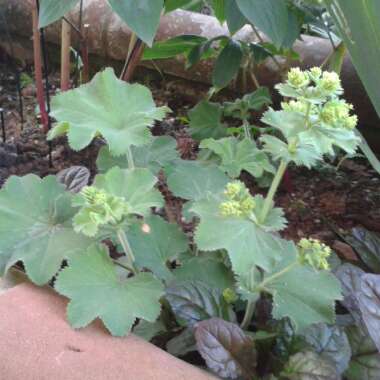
[(365, 362), (304, 305), (74, 178), (155, 244), (192, 302), (206, 121), (107, 106), (331, 343), (136, 186), (369, 303), (154, 156), (238, 155), (309, 366), (148, 330), (95, 290), (192, 180), (226, 349), (247, 243), (35, 226)]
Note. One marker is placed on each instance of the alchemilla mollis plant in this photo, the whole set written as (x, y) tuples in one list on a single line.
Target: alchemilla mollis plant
[(236, 257)]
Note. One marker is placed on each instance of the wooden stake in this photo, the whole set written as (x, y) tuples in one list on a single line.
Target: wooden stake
[(65, 55), (84, 53), (38, 68)]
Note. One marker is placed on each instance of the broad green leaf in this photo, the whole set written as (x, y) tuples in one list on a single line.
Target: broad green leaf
[(95, 291), (143, 17), (172, 47), (36, 228), (273, 18), (357, 22), (304, 305), (260, 53), (193, 181), (237, 156), (247, 243), (309, 366), (227, 64), (304, 155), (190, 5), (194, 301), (183, 343), (154, 156), (118, 111), (207, 269), (365, 362), (148, 330), (367, 151), (218, 7), (227, 350), (136, 186), (331, 343), (156, 244), (206, 121), (254, 101), (53, 10), (234, 17)]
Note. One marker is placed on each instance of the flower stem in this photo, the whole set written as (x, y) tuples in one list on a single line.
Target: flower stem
[(247, 133), (272, 190), (127, 250), (131, 163), (248, 314)]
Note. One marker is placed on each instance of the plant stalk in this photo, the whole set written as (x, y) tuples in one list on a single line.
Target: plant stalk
[(127, 250), (65, 55), (272, 190), (248, 315), (131, 162)]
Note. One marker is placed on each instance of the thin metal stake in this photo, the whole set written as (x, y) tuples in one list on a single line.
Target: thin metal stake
[(2, 124)]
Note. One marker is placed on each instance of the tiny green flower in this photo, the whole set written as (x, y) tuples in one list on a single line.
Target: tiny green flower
[(315, 73), (330, 83), (230, 295), (297, 78), (99, 208), (295, 106), (314, 253), (239, 201)]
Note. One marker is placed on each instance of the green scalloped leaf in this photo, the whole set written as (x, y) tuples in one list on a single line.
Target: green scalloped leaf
[(304, 305), (247, 243), (118, 111), (136, 186), (36, 228), (161, 152), (237, 156), (160, 243), (96, 291), (206, 121)]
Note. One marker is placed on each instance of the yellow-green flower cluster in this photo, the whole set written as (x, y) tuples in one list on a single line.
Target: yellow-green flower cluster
[(314, 253), (230, 295), (298, 78), (295, 106), (336, 113), (315, 81), (239, 201), (99, 208)]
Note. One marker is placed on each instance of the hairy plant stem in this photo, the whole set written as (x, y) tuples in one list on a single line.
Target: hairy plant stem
[(127, 250), (131, 162), (272, 190), (248, 315), (247, 132)]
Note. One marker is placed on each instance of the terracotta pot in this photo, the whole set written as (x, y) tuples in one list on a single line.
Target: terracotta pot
[(37, 343)]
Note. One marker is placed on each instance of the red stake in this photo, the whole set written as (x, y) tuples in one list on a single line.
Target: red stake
[(38, 68)]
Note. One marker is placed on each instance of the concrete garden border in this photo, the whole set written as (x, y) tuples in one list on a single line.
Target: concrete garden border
[(37, 343)]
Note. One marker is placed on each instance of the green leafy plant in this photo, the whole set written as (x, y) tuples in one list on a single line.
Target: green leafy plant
[(204, 289)]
